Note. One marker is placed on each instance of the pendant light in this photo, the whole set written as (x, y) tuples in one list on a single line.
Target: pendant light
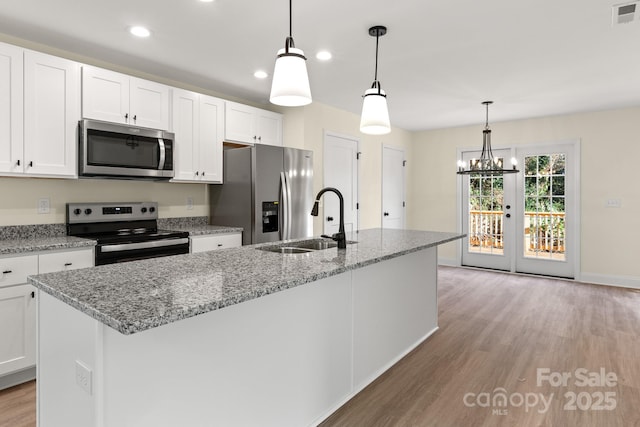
[(375, 114), (487, 164), (290, 85)]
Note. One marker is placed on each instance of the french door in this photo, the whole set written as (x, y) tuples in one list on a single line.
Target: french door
[(525, 222), (487, 212)]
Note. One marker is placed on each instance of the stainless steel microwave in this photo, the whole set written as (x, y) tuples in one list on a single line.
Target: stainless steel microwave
[(121, 151)]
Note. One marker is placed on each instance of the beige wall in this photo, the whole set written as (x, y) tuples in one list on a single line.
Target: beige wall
[(610, 149), (305, 127), (19, 197)]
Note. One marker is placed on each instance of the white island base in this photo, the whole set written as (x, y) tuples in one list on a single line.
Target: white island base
[(287, 359)]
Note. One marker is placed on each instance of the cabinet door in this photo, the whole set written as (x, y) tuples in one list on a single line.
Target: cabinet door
[(105, 95), (239, 123), (65, 260), (211, 123), (14, 270), (51, 114), (185, 128), (269, 127), (148, 104), (214, 242), (17, 328), (11, 125)]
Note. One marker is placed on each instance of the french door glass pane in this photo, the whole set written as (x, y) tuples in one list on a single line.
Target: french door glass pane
[(486, 196), (544, 201)]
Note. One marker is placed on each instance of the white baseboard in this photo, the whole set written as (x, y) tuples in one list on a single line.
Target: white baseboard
[(450, 262), (632, 282)]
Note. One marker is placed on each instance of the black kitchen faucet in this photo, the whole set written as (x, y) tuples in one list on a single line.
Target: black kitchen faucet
[(340, 236)]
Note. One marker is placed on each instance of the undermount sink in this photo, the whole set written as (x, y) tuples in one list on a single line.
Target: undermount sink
[(305, 246)]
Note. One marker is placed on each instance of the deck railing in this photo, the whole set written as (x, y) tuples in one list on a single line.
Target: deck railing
[(544, 231)]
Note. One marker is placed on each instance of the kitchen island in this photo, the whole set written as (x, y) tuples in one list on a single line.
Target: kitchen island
[(239, 336)]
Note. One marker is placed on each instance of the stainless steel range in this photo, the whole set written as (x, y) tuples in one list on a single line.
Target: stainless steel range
[(124, 231)]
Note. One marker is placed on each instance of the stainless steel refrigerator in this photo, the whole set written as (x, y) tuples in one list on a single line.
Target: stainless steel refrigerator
[(268, 191)]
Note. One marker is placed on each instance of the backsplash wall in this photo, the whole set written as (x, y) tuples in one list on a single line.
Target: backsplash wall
[(19, 197)]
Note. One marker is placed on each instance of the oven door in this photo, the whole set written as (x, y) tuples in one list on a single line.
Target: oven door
[(114, 150), (122, 252)]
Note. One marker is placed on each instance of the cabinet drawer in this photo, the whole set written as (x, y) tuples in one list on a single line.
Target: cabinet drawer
[(210, 243), (14, 270), (65, 260)]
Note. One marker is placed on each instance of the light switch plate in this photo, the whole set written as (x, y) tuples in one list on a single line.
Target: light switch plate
[(613, 203)]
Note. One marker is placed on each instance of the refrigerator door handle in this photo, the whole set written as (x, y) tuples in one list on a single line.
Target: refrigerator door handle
[(289, 207), (284, 208)]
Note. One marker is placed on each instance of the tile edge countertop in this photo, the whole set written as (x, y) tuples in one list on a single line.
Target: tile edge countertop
[(135, 296)]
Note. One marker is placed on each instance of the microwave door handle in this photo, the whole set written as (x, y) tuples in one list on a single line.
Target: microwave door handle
[(162, 154)]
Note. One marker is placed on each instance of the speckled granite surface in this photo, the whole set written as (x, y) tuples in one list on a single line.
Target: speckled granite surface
[(136, 296), (201, 230), (34, 244), (12, 232), (190, 221)]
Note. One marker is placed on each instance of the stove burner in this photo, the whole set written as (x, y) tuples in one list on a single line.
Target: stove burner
[(130, 231)]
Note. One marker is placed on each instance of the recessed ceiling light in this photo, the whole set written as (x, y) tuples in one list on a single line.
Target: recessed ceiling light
[(206, 1), (323, 55), (139, 31), (260, 74)]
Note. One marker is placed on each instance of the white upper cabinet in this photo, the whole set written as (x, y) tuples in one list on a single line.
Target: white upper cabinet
[(244, 123), (197, 124), (39, 113), (51, 114), (118, 98), (11, 124)]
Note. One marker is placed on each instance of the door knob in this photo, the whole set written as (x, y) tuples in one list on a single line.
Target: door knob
[(329, 218), (508, 215), (386, 214), (508, 206)]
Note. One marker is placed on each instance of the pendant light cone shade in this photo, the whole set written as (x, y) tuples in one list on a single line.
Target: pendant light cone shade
[(375, 114), (290, 86)]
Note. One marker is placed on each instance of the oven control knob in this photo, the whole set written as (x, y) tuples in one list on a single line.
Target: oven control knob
[(152, 209), (143, 210), (88, 211), (77, 211)]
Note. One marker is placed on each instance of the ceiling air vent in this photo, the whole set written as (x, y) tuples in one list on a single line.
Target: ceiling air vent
[(625, 13)]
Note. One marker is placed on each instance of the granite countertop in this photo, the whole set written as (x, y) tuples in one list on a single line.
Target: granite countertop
[(202, 230), (135, 296), (34, 244)]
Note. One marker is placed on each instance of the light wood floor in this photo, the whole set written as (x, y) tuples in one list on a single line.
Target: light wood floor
[(18, 406), (496, 330)]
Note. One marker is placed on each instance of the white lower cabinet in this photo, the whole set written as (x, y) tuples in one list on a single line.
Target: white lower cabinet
[(213, 242), (17, 328), (18, 303)]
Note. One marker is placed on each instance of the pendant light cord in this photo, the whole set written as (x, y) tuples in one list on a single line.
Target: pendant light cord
[(290, 20), (486, 123)]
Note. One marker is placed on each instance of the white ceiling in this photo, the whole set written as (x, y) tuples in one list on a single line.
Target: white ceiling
[(439, 60)]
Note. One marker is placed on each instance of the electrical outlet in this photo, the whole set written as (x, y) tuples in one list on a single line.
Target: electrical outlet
[(83, 377), (189, 203), (44, 206)]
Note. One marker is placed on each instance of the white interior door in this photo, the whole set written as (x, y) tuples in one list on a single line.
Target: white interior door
[(340, 171), (487, 216), (393, 187)]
